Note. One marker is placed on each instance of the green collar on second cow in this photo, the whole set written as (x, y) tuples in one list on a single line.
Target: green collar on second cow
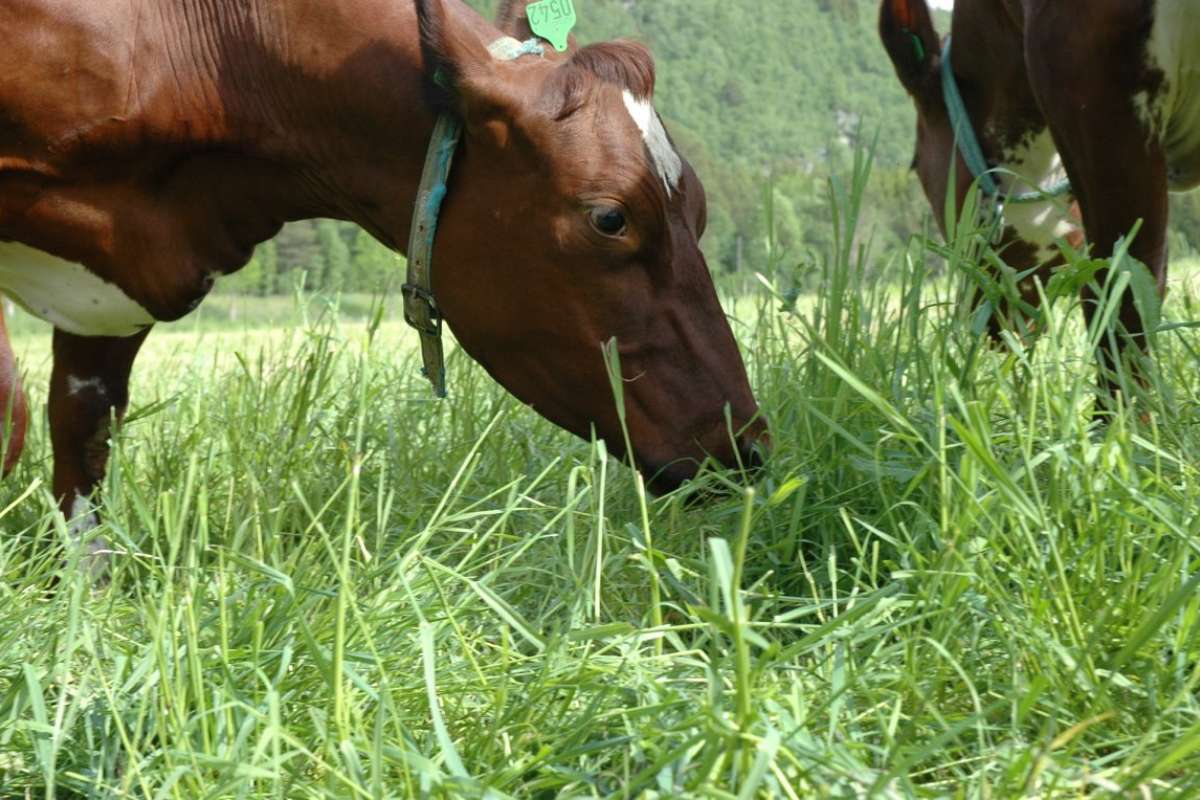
[(420, 306), (969, 148)]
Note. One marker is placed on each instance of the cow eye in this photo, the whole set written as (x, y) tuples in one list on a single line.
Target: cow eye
[(608, 220)]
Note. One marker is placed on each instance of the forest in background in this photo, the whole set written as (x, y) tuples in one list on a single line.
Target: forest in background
[(767, 99)]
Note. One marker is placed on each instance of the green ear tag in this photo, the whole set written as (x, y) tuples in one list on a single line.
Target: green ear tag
[(552, 20), (919, 47)]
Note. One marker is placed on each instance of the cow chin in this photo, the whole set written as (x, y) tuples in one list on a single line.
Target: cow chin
[(664, 479), (665, 455), (746, 454)]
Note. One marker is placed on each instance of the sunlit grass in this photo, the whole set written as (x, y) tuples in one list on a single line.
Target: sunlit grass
[(953, 580)]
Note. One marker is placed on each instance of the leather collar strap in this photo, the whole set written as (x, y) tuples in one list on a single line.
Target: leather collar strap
[(420, 306), (972, 153)]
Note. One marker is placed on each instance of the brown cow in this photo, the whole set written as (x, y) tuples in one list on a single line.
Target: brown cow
[(147, 146), (1099, 92)]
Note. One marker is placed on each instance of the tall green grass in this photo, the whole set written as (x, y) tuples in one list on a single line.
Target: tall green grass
[(955, 579)]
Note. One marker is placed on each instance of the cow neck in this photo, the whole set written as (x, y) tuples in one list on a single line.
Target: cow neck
[(972, 152), (420, 305)]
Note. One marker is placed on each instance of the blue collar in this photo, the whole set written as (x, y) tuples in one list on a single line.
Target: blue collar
[(420, 307), (969, 148)]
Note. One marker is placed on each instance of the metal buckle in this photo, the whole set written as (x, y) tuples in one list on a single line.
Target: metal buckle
[(419, 294)]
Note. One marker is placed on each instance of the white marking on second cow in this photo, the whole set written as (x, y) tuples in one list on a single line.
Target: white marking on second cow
[(67, 295), (1037, 165), (667, 162), (1172, 114)]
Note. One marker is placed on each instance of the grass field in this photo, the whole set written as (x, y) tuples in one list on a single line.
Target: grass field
[(952, 581)]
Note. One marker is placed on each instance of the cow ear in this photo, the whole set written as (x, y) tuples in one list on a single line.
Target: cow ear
[(513, 19), (906, 28), (461, 74)]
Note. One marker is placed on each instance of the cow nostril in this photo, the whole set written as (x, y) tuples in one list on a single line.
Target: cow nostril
[(754, 446), (746, 452), (752, 453)]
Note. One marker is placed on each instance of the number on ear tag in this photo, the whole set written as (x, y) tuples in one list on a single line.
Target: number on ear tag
[(552, 20)]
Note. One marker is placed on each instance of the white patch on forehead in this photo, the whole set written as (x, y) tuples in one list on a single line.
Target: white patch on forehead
[(1036, 165), (68, 295), (667, 162)]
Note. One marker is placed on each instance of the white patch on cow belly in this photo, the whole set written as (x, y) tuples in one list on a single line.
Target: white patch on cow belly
[(667, 162), (1173, 115), (68, 295), (1036, 165)]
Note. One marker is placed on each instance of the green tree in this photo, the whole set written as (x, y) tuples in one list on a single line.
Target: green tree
[(375, 267), (269, 268), (335, 258), (248, 279)]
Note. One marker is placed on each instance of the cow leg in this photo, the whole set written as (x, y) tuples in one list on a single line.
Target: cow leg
[(14, 412), (1089, 82), (89, 386)]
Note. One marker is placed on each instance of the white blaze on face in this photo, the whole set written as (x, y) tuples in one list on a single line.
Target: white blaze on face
[(667, 162), (67, 295)]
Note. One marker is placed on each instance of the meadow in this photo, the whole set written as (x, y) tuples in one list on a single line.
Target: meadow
[(954, 579)]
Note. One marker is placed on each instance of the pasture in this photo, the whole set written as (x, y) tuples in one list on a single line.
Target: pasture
[(952, 580)]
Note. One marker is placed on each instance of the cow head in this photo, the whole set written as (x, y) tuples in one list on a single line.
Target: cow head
[(906, 28), (570, 221)]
